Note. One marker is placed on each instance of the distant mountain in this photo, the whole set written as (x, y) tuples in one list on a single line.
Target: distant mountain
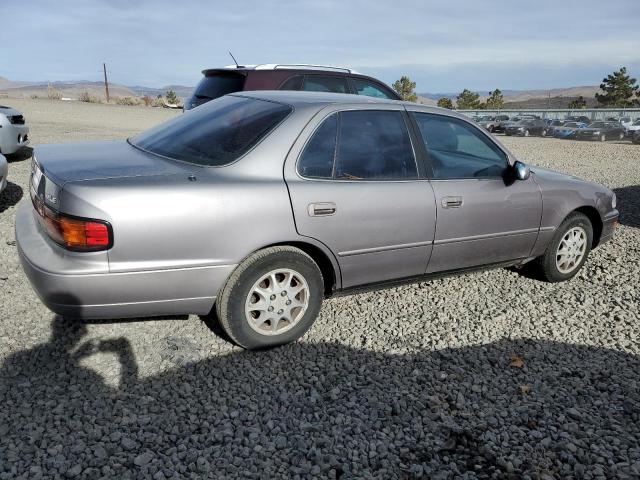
[(73, 89), (555, 97)]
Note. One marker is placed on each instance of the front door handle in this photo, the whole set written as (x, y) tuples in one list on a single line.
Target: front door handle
[(451, 202), (323, 209)]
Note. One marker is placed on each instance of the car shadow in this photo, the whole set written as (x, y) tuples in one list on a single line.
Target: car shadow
[(25, 153), (629, 205), (10, 196), (507, 409)]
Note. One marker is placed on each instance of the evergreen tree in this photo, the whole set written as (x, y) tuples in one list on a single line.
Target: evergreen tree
[(619, 90), (445, 102), (468, 100), (405, 88), (495, 100)]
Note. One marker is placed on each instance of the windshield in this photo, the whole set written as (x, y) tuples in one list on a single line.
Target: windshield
[(219, 84), (637, 122), (486, 118), (216, 133)]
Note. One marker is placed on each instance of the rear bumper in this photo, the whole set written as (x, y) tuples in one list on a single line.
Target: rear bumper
[(4, 171), (80, 285), (13, 138)]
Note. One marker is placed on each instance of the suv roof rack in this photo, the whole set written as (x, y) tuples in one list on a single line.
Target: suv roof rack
[(302, 66)]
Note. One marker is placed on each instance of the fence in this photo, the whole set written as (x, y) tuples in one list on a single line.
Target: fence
[(592, 113)]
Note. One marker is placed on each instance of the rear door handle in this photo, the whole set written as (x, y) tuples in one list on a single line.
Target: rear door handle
[(323, 209), (451, 202)]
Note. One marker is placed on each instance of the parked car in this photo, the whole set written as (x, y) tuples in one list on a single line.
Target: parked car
[(217, 82), (494, 123), (14, 133), (568, 129), (4, 171), (626, 122), (601, 131), (634, 127), (552, 123), (527, 127), (259, 205), (578, 118)]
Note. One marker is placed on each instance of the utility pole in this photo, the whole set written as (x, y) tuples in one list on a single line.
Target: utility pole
[(106, 82)]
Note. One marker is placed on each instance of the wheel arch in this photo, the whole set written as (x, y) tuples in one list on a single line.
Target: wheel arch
[(596, 221)]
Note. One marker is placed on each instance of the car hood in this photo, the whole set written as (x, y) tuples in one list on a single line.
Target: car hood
[(551, 174), (75, 162)]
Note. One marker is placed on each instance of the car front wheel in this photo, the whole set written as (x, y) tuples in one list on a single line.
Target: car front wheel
[(272, 298), (568, 249)]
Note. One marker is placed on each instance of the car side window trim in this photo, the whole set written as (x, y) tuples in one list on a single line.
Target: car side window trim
[(421, 173), (428, 161)]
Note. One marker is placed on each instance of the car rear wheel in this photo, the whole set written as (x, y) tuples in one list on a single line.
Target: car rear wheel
[(543, 133), (526, 133), (567, 251), (272, 298), (603, 137), (621, 136), (490, 128)]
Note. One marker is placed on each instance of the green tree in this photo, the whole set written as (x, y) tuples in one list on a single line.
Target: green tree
[(445, 102), (468, 100), (171, 97), (405, 88), (619, 90), (495, 100), (579, 102)]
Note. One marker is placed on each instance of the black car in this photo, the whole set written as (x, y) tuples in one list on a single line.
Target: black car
[(636, 137), (601, 131), (527, 127), (217, 82)]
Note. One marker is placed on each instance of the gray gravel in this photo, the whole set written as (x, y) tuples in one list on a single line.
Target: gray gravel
[(421, 381)]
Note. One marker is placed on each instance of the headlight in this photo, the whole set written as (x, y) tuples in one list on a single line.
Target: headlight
[(614, 201)]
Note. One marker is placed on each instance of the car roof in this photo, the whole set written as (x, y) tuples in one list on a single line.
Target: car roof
[(321, 99)]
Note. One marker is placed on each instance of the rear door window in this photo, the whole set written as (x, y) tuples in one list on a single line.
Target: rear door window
[(219, 84), (292, 83), (370, 89), (325, 83), (317, 158), (374, 145)]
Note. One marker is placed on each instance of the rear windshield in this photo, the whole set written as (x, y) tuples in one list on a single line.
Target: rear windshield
[(219, 84), (216, 133)]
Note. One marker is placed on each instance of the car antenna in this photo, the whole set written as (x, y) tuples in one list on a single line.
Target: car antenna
[(234, 60)]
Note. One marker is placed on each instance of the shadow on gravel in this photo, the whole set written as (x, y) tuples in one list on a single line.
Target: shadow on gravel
[(629, 205), (10, 196), (25, 153), (325, 410)]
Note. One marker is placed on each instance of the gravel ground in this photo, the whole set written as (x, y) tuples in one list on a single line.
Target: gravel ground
[(491, 375)]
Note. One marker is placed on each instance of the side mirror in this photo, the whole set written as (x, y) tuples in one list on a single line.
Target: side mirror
[(521, 170)]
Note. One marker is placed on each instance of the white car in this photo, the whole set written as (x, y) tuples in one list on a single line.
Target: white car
[(4, 169), (632, 128), (14, 133)]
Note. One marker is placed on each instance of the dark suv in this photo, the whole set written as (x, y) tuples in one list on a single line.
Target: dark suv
[(314, 78)]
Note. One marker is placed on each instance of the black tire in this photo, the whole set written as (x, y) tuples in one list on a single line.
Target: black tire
[(490, 129), (526, 133), (543, 133), (621, 136), (545, 266), (230, 304), (603, 137)]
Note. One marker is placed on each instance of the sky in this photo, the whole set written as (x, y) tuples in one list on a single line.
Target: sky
[(444, 46)]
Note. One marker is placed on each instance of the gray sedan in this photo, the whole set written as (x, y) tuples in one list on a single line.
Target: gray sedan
[(4, 171), (256, 206)]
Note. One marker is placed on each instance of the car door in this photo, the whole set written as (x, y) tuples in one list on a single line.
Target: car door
[(355, 186), (483, 217)]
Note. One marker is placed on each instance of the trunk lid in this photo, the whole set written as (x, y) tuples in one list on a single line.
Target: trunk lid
[(76, 162)]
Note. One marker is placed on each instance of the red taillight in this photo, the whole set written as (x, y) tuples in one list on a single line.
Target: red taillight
[(73, 233)]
